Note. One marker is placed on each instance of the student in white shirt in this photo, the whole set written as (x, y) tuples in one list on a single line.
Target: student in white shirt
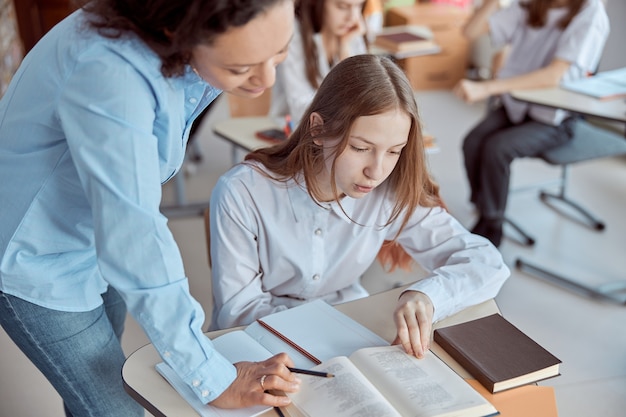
[(545, 42), (303, 220), (326, 32)]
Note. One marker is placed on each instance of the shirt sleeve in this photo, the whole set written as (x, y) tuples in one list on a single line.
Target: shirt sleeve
[(504, 23), (107, 111), (583, 40), (464, 269)]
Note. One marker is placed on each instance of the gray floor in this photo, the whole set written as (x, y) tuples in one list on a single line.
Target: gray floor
[(584, 333)]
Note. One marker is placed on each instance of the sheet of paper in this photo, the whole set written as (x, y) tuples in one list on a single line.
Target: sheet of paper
[(238, 346), (317, 327), (202, 409)]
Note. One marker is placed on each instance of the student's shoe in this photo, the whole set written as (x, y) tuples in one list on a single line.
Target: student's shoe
[(489, 228)]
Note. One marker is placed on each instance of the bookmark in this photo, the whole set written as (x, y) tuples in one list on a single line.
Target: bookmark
[(289, 342)]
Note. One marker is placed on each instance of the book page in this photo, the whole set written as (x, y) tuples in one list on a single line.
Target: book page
[(420, 387), (348, 393), (317, 327)]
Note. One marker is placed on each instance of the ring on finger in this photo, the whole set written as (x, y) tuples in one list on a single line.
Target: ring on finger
[(262, 381)]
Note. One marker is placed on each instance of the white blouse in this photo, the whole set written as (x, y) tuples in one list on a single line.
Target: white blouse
[(292, 93), (273, 247)]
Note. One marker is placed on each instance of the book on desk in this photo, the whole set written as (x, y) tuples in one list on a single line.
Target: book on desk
[(410, 40), (364, 365), (497, 353), (606, 85)]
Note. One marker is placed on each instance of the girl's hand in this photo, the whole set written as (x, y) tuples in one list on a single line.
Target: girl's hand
[(358, 29), (414, 317), (472, 91), (253, 381)]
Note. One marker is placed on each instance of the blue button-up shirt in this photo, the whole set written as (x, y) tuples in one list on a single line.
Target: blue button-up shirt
[(89, 131)]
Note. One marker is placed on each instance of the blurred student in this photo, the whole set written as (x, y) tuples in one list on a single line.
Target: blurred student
[(326, 33), (94, 121), (303, 220), (546, 42)]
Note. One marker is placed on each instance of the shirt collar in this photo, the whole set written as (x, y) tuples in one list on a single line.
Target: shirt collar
[(302, 204)]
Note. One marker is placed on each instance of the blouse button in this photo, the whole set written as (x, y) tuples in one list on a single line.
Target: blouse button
[(193, 100), (205, 393), (318, 232), (316, 277), (195, 382)]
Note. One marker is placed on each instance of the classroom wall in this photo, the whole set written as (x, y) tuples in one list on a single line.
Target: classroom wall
[(614, 55)]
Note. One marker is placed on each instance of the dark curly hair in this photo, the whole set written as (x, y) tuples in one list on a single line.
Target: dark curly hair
[(172, 27)]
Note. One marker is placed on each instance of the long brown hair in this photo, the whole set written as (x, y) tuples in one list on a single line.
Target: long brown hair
[(538, 12), (310, 16), (362, 85), (173, 27)]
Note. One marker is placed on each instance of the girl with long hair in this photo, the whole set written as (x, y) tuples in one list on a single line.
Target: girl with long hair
[(327, 32), (303, 220)]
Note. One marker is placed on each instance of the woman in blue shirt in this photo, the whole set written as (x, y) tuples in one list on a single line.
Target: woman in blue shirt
[(95, 120)]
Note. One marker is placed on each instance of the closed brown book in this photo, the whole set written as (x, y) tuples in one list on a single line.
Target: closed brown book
[(496, 353), (404, 41)]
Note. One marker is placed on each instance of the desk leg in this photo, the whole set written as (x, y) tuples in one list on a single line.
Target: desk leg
[(615, 292)]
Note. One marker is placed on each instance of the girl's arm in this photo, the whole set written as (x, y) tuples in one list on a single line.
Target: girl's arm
[(546, 77), (478, 24)]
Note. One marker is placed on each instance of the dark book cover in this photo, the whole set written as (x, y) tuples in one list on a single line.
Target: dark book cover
[(402, 37), (497, 353), (403, 41)]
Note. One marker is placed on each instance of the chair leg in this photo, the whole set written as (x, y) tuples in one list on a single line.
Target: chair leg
[(615, 291), (589, 219), (524, 238)]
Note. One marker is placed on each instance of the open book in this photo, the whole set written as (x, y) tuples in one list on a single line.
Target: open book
[(385, 381), (331, 336)]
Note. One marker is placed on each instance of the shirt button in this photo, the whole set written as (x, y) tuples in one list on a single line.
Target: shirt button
[(193, 100), (167, 354), (316, 277), (195, 382), (318, 232), (205, 393)]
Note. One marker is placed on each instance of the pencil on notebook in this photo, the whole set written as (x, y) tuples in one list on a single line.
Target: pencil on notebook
[(308, 372), (289, 342)]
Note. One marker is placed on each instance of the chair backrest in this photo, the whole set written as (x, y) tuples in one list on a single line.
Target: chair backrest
[(589, 142)]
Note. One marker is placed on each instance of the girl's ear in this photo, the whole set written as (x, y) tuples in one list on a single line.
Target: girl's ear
[(316, 122)]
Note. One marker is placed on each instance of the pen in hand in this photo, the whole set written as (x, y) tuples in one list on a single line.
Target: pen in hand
[(308, 372)]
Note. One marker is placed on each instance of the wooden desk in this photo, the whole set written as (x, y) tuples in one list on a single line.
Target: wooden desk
[(614, 110), (155, 394), (240, 132)]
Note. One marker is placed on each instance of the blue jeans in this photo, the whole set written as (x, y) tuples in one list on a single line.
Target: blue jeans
[(79, 353)]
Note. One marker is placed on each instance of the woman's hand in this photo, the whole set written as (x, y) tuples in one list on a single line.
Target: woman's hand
[(414, 321), (253, 381)]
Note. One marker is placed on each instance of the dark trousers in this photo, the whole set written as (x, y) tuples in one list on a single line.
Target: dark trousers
[(493, 144)]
